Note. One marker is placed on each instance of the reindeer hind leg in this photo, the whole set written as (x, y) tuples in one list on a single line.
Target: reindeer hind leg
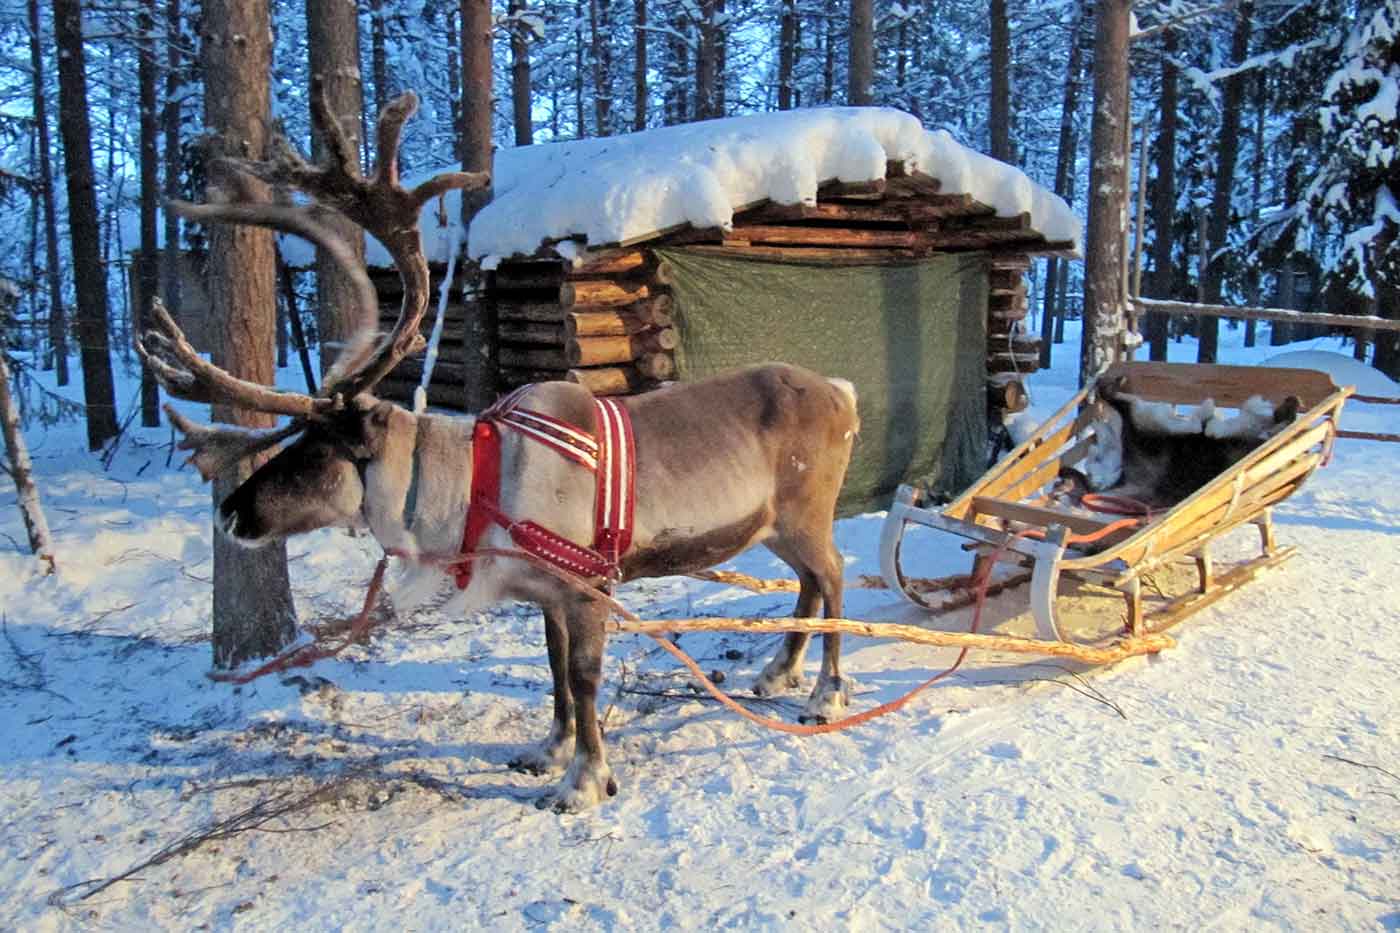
[(832, 693)]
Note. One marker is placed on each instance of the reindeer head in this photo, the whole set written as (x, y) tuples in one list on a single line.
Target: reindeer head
[(319, 479)]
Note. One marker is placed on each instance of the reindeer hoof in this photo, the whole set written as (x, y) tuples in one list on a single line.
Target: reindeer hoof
[(548, 757), (535, 761), (775, 681), (582, 788), (828, 701)]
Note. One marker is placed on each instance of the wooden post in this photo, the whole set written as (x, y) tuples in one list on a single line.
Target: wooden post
[(1108, 196)]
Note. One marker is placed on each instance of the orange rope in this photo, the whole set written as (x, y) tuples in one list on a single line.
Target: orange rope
[(306, 655)]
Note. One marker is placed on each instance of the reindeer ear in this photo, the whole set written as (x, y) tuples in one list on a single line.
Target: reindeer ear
[(380, 414), (376, 424)]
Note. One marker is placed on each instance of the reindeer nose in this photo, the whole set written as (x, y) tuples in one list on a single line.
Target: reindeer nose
[(233, 523)]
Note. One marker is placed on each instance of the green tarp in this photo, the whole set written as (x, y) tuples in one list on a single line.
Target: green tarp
[(912, 338)]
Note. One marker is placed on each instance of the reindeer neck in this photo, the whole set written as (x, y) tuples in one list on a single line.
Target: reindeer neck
[(436, 485)]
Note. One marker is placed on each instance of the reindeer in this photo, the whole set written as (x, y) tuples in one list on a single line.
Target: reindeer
[(755, 456)]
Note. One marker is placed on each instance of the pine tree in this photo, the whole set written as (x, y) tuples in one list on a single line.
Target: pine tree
[(1357, 191)]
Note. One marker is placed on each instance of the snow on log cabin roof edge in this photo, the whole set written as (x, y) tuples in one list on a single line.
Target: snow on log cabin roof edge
[(562, 199)]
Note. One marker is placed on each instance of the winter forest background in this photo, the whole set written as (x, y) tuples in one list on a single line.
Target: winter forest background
[(1271, 128)]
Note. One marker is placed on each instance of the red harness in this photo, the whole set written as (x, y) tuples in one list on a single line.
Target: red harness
[(610, 453)]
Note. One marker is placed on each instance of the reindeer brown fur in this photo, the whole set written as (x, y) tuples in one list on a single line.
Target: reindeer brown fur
[(755, 456)]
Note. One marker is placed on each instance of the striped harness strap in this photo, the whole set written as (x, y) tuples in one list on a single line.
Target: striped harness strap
[(610, 452)]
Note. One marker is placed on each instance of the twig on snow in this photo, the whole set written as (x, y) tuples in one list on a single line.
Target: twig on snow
[(253, 818), (28, 664), (1362, 764)]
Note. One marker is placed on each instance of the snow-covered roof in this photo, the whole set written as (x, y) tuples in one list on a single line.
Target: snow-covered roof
[(617, 189), (620, 188)]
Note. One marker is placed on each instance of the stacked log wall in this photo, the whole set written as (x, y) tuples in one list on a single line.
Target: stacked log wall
[(447, 388), (1012, 352), (605, 323)]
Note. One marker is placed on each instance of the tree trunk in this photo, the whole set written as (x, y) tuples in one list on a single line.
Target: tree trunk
[(333, 53), (861, 75), (1000, 117), (600, 25), (580, 129), (677, 89), (787, 49), (170, 126), (1064, 171), (378, 55), (58, 319), (1108, 196), (829, 64), (520, 77), (286, 280), (253, 611), (1256, 195), (705, 66), (639, 66), (149, 273), (721, 106), (1387, 356), (89, 274), (1164, 200), (1232, 104), (21, 471), (481, 375), (454, 76)]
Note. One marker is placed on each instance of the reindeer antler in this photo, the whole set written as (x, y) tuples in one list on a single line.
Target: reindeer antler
[(380, 205)]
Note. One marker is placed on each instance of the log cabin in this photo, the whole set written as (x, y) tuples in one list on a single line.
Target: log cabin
[(848, 240)]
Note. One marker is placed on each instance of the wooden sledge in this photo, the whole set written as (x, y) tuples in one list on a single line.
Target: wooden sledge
[(1007, 514)]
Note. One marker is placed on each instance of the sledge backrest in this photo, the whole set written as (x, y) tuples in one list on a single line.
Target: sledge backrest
[(1229, 386)]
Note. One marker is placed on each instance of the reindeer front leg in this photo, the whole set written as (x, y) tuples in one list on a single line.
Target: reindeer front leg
[(551, 755), (589, 779)]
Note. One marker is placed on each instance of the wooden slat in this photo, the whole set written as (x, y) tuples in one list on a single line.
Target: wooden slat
[(1185, 526), (522, 357), (881, 213), (830, 237), (943, 206), (608, 380), (1351, 321), (602, 292), (514, 377), (610, 323), (861, 190), (604, 351), (612, 262), (1040, 516), (542, 334), (816, 256), (411, 370), (538, 312), (440, 394), (534, 276)]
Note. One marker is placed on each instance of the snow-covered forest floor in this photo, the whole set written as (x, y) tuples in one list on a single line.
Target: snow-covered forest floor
[(1249, 777)]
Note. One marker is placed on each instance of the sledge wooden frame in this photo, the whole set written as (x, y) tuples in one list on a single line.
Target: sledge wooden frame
[(1009, 499)]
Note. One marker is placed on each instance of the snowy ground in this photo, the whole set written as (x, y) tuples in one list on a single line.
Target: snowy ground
[(1248, 778)]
